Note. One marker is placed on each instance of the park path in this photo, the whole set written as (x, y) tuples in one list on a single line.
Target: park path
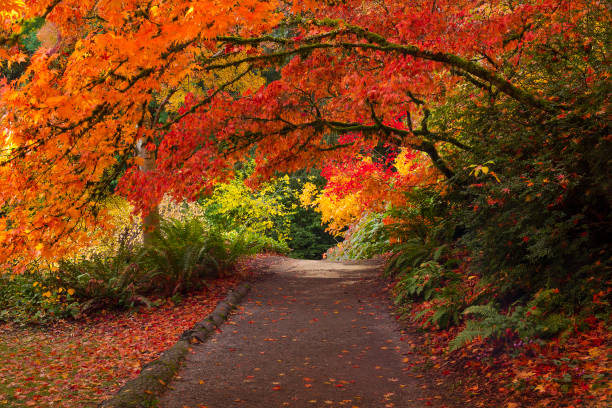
[(310, 334)]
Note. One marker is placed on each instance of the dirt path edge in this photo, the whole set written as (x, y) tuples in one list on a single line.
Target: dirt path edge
[(143, 391)]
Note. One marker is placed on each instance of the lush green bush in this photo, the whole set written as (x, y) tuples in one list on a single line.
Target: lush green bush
[(181, 256), (308, 236), (270, 214), (364, 240), (35, 296), (184, 252), (537, 319), (265, 210), (245, 242)]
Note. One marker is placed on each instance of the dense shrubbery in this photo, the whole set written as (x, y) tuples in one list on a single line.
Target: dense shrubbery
[(181, 256), (527, 213), (195, 242), (272, 212)]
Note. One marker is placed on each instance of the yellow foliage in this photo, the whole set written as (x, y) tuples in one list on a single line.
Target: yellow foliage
[(122, 225), (264, 211), (338, 212), (376, 192), (11, 8)]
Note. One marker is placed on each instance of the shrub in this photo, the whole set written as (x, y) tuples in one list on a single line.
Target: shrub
[(183, 253), (103, 281), (245, 242), (35, 297), (363, 240)]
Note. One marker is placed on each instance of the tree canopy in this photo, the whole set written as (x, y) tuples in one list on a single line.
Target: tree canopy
[(341, 77)]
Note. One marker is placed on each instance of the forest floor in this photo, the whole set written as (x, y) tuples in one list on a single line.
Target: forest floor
[(77, 364), (309, 334)]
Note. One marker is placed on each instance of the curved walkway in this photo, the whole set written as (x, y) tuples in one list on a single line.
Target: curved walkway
[(311, 334)]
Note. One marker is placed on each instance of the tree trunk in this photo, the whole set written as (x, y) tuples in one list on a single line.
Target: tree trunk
[(150, 222)]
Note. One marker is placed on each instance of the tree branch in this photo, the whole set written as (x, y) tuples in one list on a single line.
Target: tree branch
[(377, 42)]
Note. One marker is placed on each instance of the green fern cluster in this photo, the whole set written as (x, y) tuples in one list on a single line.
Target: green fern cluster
[(181, 256), (182, 253), (420, 282), (537, 319)]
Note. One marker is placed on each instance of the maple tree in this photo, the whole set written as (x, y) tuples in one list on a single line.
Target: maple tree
[(368, 70), (488, 121), (78, 113)]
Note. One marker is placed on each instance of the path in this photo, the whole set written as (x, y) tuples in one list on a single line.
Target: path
[(313, 334)]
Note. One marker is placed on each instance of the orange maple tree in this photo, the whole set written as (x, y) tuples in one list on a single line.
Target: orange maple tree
[(75, 116)]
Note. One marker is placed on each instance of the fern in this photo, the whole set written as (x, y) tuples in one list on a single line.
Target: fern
[(473, 330), (527, 321), (420, 283)]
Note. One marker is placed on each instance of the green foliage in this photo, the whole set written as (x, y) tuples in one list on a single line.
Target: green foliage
[(181, 256), (105, 281), (421, 234), (29, 31), (420, 283), (407, 255), (183, 252), (266, 210), (538, 319), (35, 296), (528, 207), (364, 240), (247, 242), (309, 239), (435, 282), (271, 213)]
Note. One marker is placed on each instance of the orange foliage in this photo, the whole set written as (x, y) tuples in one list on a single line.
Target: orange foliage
[(74, 112)]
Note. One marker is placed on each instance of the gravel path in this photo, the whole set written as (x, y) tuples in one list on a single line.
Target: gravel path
[(312, 334)]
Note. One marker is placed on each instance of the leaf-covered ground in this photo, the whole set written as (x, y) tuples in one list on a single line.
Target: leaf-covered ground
[(571, 372), (78, 364)]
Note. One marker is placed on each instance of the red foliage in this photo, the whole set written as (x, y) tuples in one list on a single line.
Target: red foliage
[(82, 363), (574, 372)]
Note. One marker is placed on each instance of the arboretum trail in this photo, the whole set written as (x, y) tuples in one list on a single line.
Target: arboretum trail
[(310, 334)]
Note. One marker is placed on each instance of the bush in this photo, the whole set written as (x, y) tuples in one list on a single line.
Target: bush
[(529, 204), (182, 253), (103, 281), (35, 297), (247, 242), (364, 240), (181, 256), (538, 319)]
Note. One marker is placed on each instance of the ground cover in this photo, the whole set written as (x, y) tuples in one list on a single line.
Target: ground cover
[(79, 364), (563, 372)]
